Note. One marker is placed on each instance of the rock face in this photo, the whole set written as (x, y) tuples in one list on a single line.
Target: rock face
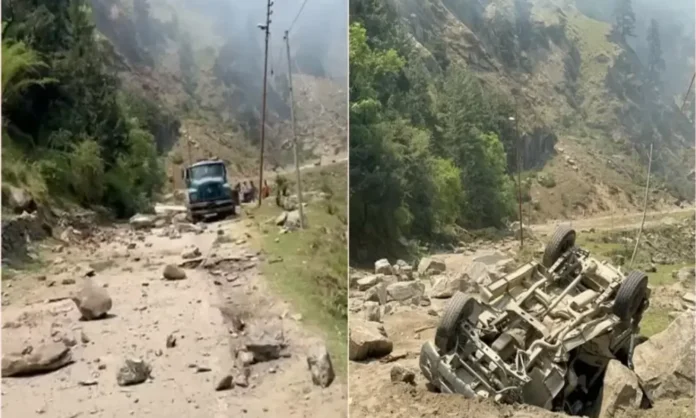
[(368, 340), (43, 359), (446, 286), (431, 266), (621, 390), (92, 301), (383, 267), (402, 291), (320, 366), (665, 362), (133, 372), (172, 272)]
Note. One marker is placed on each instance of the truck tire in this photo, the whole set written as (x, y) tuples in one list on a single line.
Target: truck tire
[(630, 295), (561, 241), (459, 307)]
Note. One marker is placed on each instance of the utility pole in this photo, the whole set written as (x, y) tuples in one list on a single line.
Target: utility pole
[(294, 132), (519, 175), (266, 28), (188, 143), (645, 207)]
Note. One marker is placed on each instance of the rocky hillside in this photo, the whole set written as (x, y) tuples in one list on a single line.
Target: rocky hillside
[(586, 109), (210, 76)]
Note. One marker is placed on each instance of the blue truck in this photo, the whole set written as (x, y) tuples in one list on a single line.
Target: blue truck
[(208, 193)]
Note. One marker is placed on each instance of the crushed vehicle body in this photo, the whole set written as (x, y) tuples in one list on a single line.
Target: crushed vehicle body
[(208, 191), (541, 335)]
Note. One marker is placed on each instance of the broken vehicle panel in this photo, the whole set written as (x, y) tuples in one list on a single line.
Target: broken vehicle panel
[(541, 335)]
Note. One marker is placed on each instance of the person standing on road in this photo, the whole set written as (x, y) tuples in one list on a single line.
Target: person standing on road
[(266, 191)]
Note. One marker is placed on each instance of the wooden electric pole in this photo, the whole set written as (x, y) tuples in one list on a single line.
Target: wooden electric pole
[(518, 156), (294, 132), (266, 28)]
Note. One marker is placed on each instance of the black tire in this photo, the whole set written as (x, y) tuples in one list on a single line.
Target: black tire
[(561, 241), (630, 296), (458, 307)]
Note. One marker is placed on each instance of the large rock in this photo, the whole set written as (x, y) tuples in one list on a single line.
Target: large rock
[(369, 281), (665, 362), (92, 301), (20, 200), (377, 293), (403, 270), (373, 312), (292, 220), (621, 390), (477, 273), (44, 359), (368, 340), (383, 267), (686, 274), (140, 221), (402, 291), (446, 286), (320, 366), (431, 266)]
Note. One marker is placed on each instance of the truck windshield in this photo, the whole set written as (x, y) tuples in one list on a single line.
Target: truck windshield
[(208, 170)]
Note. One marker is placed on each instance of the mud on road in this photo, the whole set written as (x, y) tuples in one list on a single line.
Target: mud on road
[(189, 331)]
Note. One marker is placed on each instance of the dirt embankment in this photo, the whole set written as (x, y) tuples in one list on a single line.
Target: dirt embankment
[(395, 309), (201, 338)]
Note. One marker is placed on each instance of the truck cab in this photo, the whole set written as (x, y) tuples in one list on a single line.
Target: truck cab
[(208, 192)]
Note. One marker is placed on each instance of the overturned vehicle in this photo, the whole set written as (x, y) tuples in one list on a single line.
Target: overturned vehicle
[(541, 335)]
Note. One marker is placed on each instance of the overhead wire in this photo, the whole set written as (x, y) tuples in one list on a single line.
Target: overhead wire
[(297, 16)]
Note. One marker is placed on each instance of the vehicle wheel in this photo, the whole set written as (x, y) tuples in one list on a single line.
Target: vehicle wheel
[(458, 307), (630, 296), (561, 241)]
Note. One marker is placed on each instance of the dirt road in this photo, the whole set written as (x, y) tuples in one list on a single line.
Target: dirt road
[(619, 221), (146, 311)]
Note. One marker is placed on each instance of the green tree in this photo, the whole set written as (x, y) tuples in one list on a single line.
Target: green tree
[(625, 18), (656, 63)]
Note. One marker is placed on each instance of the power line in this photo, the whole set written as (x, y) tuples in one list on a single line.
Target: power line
[(297, 16)]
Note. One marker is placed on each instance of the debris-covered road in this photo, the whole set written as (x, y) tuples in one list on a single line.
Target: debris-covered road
[(206, 339)]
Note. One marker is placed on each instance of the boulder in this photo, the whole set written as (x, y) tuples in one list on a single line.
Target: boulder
[(190, 253), (44, 359), (402, 291), (686, 274), (92, 301), (446, 286), (621, 390), (369, 281), (141, 221), (377, 293), (368, 340), (292, 221), (477, 273), (20, 200), (665, 362), (372, 312), (133, 372), (172, 272), (320, 366), (400, 374), (431, 266), (383, 267)]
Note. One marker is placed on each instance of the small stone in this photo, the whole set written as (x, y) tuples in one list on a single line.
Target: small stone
[(133, 372), (68, 281), (320, 366), (401, 374), (172, 272), (171, 341), (225, 383)]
